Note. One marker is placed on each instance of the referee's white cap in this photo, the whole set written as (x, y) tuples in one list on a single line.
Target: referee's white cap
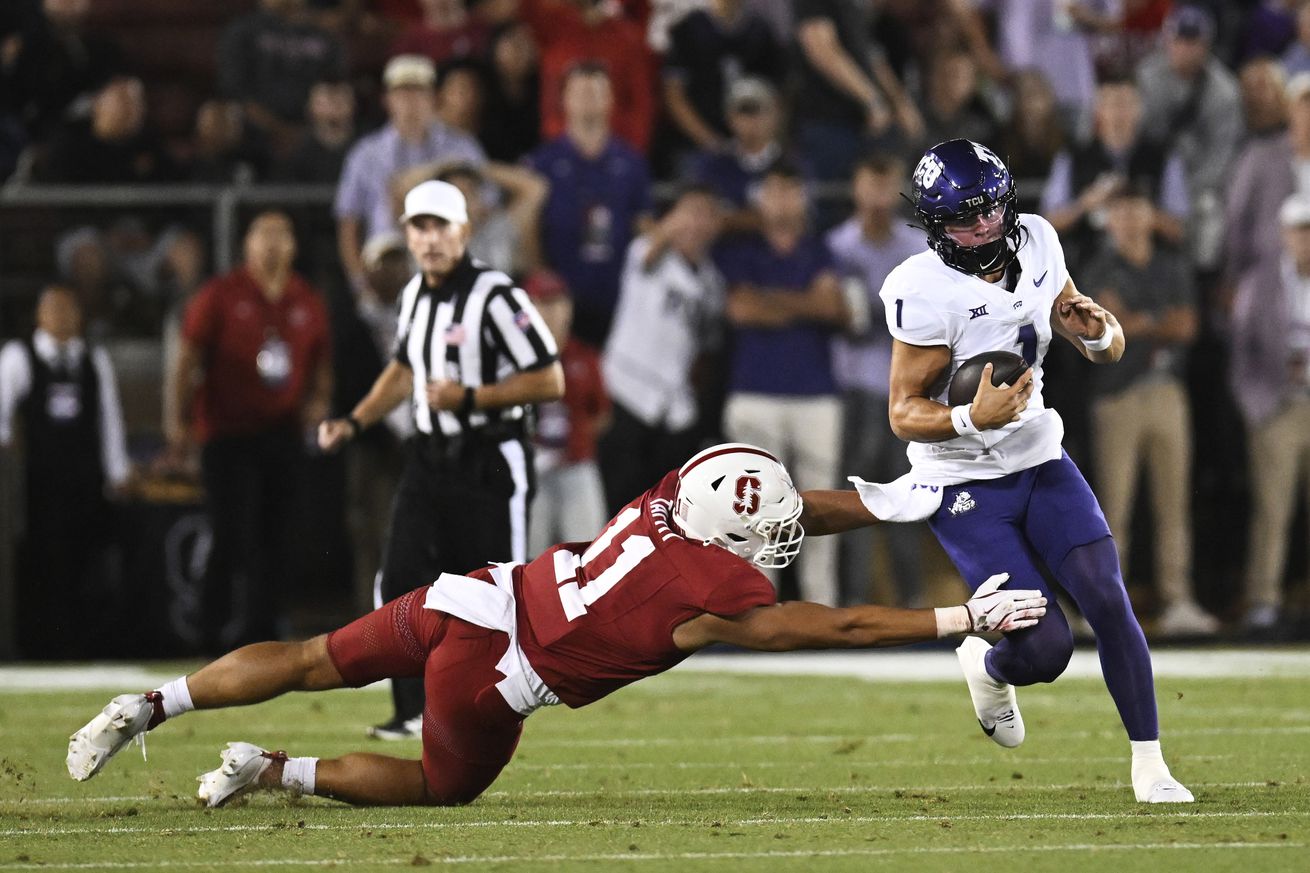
[(441, 199)]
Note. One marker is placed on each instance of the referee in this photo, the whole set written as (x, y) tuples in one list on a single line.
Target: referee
[(471, 353)]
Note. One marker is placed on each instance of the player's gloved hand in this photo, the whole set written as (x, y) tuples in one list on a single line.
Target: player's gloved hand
[(992, 608)]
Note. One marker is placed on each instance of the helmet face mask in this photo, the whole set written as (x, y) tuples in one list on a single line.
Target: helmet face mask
[(740, 498), (955, 183)]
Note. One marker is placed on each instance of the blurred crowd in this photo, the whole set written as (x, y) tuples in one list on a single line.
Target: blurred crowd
[(703, 197)]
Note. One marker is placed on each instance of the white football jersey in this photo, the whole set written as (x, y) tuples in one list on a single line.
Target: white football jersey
[(930, 304)]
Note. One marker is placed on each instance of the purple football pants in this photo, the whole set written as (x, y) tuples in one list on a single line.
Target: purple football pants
[(1036, 524)]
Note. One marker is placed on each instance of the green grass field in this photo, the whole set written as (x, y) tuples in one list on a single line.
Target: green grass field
[(703, 771)]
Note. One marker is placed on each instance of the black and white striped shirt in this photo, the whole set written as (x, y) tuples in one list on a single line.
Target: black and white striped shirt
[(475, 328)]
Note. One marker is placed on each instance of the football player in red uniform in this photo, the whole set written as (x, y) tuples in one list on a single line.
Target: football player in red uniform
[(676, 570)]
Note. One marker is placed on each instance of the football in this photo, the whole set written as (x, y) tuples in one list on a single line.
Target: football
[(1006, 367)]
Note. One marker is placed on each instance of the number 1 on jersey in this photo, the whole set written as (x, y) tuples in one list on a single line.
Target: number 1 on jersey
[(574, 598), (1028, 342)]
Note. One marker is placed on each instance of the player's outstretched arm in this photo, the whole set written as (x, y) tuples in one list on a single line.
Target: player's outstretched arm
[(1090, 327), (799, 625), (829, 512)]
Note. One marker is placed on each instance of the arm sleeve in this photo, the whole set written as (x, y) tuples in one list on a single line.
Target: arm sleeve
[(1040, 226), (523, 336), (15, 383), (113, 440), (744, 588), (913, 320), (200, 323)]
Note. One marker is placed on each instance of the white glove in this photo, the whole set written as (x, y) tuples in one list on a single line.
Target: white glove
[(991, 609)]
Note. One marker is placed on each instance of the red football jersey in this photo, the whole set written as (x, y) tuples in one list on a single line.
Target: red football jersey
[(596, 616)]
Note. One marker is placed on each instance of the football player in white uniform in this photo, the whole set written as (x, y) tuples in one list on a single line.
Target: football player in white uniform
[(1010, 498)]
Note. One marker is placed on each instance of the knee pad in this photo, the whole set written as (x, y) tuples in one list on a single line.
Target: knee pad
[(1038, 654)]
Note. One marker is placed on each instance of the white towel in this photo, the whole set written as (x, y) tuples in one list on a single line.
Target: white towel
[(901, 500), (492, 607)]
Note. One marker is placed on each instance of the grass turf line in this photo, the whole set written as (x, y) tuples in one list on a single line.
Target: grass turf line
[(692, 772)]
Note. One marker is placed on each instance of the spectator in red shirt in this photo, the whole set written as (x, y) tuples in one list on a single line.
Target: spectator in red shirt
[(570, 501), (569, 31), (447, 31), (252, 371)]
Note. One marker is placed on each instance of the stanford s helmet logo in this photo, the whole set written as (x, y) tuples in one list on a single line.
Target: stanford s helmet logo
[(748, 492)]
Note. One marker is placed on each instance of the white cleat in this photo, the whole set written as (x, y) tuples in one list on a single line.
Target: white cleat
[(1168, 790), (243, 763), (993, 702), (126, 717)]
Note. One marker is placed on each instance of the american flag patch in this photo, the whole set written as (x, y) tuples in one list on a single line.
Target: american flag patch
[(455, 335), (522, 319)]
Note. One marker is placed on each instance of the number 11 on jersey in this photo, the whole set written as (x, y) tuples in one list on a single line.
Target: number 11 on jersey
[(575, 598)]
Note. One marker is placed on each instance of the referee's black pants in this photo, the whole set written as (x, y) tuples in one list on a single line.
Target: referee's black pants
[(461, 503)]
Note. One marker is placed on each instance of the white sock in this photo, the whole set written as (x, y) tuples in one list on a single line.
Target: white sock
[(298, 775), (1148, 766), (177, 697)]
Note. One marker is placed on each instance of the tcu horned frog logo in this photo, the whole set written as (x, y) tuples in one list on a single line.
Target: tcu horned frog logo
[(748, 490)]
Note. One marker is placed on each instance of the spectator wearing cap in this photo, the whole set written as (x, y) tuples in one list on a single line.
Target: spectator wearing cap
[(1141, 418), (1270, 378), (1191, 106), (785, 303), (599, 200), (1267, 172), (59, 394), (709, 49), (573, 32), (269, 60), (253, 369), (735, 171), (570, 502), (669, 316), (866, 248), (413, 135)]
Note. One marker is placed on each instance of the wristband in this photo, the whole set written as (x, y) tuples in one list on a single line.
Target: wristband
[(961, 420), (355, 426), (952, 620), (1101, 343), (470, 400)]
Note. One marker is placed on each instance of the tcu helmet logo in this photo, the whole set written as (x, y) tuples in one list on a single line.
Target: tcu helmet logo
[(986, 154), (747, 500), (928, 171)]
